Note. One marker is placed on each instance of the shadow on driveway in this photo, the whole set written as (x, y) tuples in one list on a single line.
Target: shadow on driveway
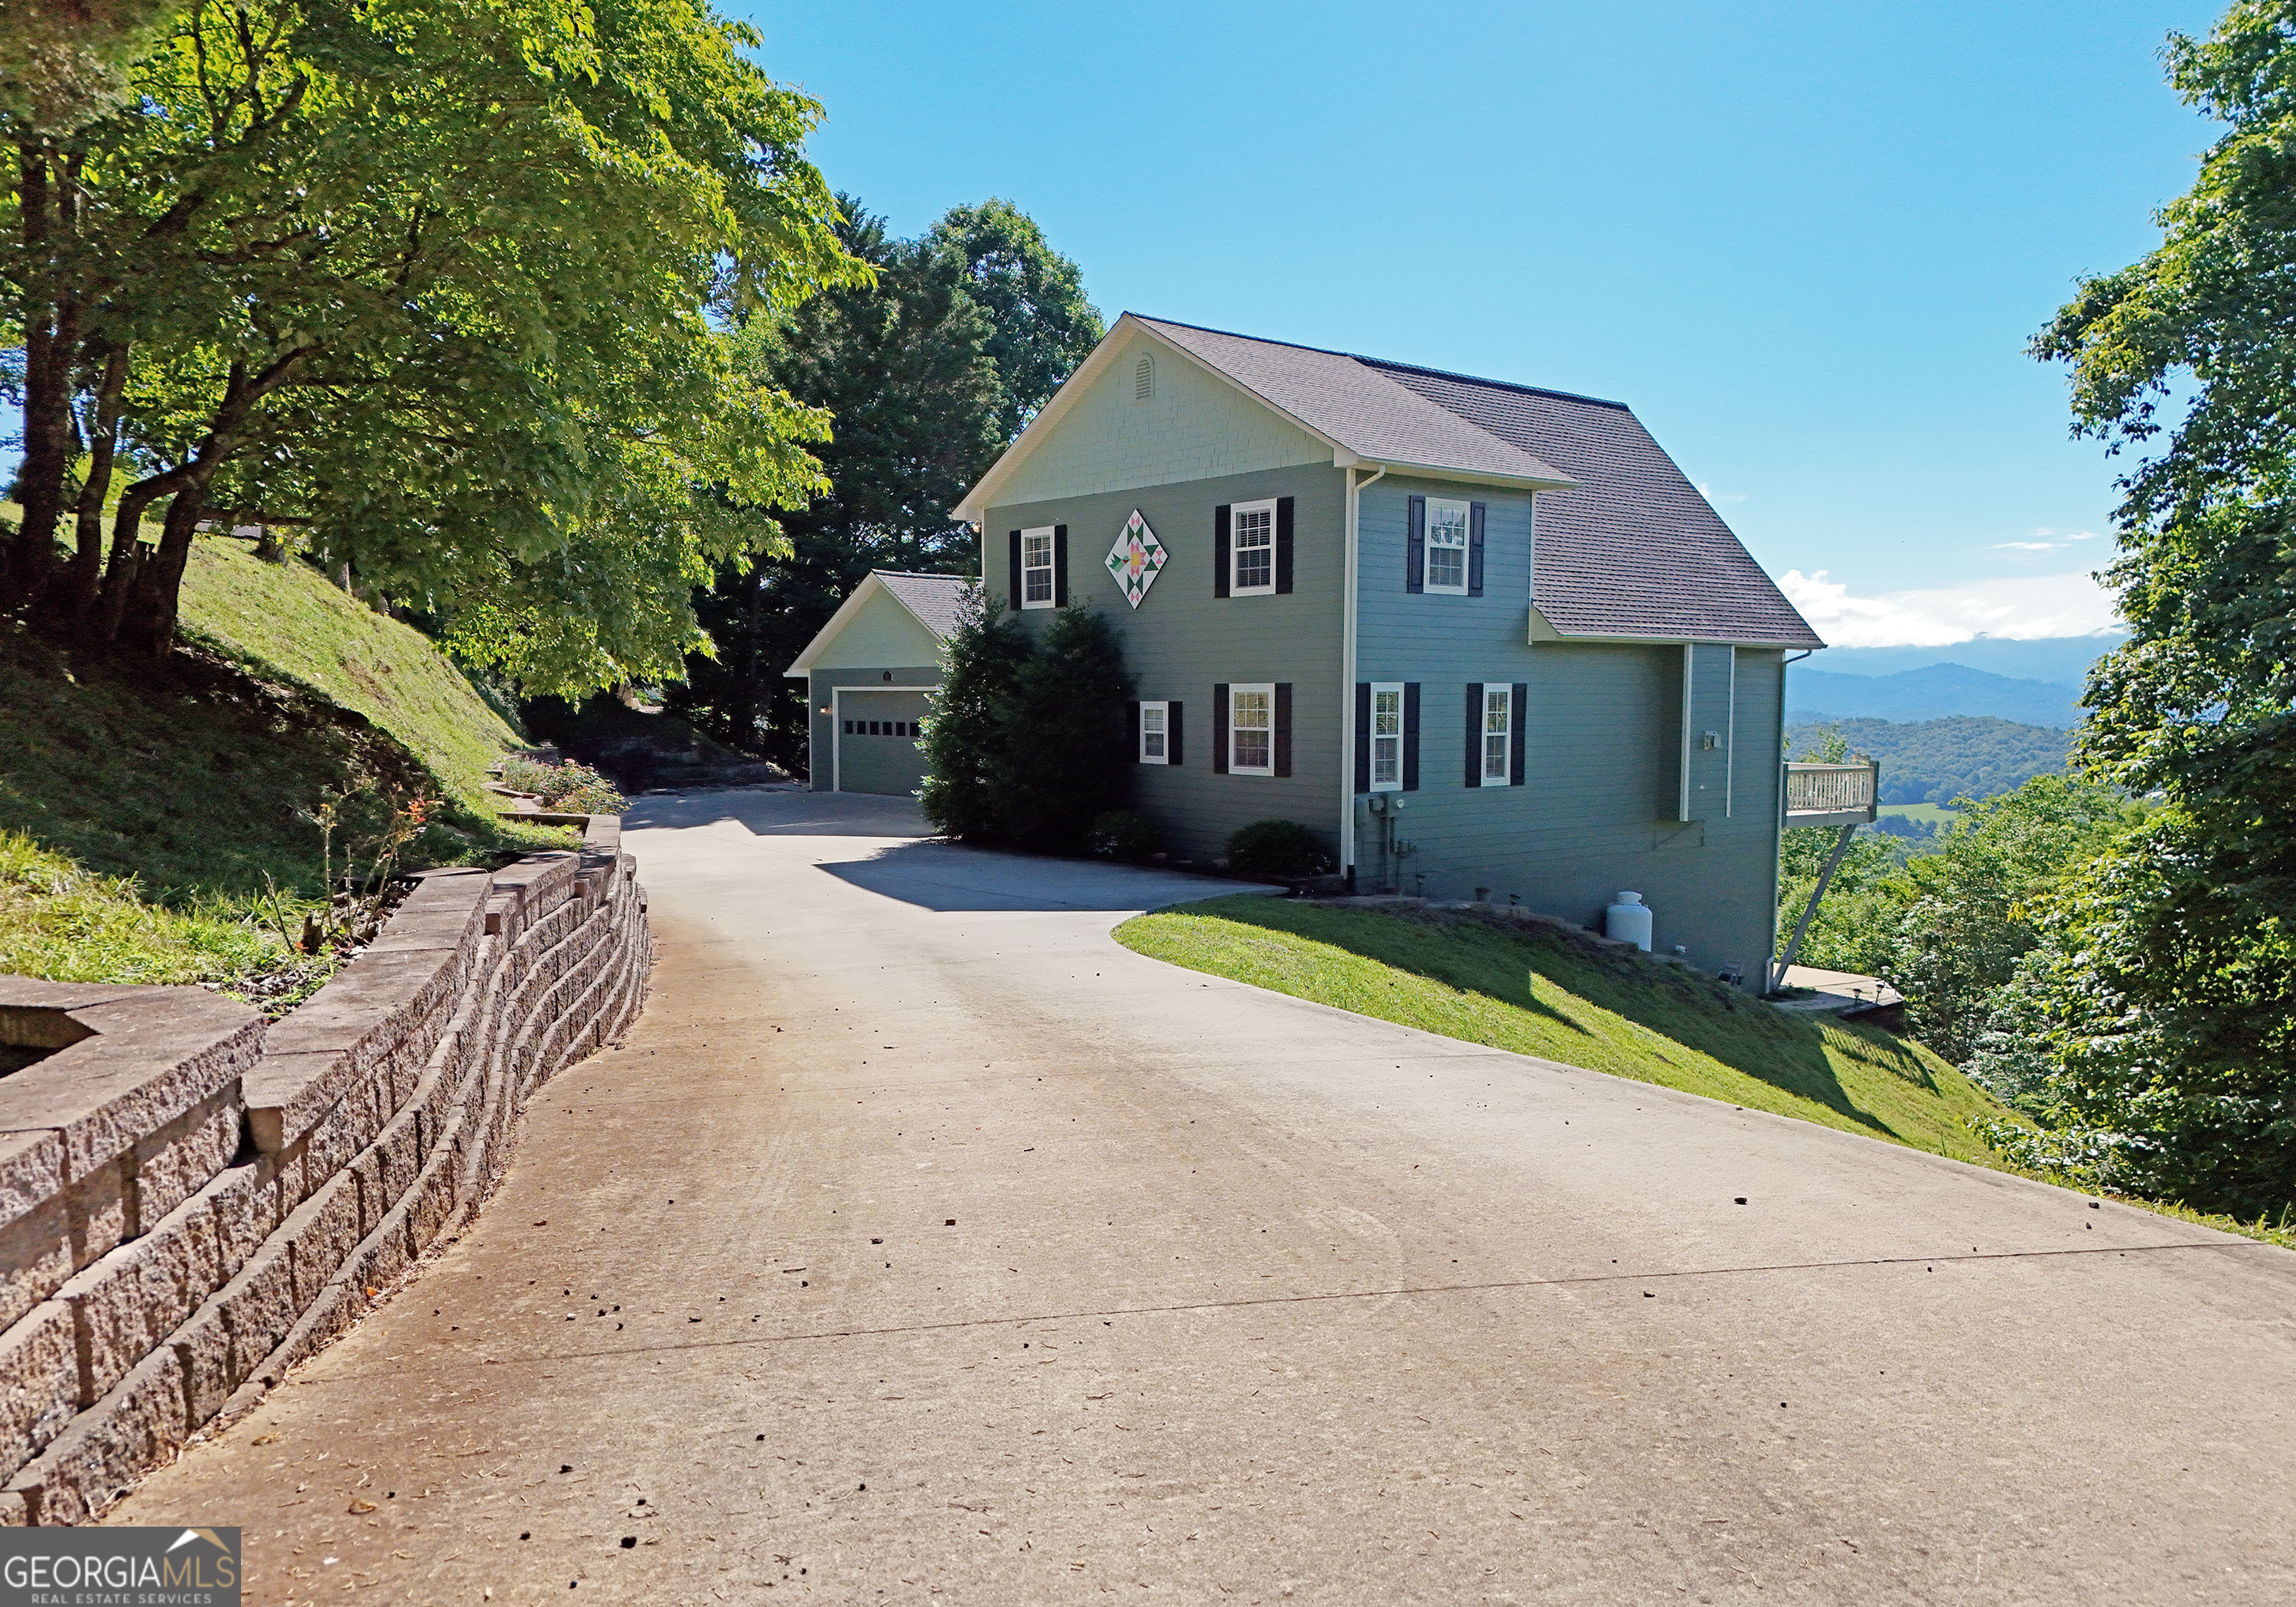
[(906, 866)]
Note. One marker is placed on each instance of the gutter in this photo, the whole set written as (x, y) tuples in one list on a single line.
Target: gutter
[(1348, 677)]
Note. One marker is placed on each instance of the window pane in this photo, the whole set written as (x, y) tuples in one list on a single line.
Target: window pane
[(1495, 705), (1037, 567), (1248, 722), (1494, 758), (1446, 545), (1253, 539), (1387, 714), (1387, 759)]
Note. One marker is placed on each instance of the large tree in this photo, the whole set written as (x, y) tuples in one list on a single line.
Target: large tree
[(926, 373), (2167, 999), (445, 281)]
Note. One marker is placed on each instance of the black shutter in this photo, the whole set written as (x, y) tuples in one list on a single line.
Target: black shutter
[(1414, 545), (1219, 551), (1171, 734), (1411, 736), (1522, 705), (1362, 736), (1060, 566), (1013, 597), (1219, 725), (1474, 734), (1283, 718), (1282, 545), (1134, 707), (1475, 549)]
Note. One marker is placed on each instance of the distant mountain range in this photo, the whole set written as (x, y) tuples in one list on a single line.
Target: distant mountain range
[(1932, 691), (2062, 660)]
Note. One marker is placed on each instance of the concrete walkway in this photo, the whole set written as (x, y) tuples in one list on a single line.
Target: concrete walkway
[(922, 1245)]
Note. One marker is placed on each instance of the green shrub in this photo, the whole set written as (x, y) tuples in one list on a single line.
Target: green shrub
[(1026, 742), (1125, 835), (970, 711), (1281, 849), (571, 788)]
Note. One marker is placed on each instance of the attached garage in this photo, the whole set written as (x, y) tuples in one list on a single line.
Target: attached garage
[(868, 674)]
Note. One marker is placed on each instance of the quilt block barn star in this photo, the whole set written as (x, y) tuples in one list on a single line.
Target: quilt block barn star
[(1137, 559)]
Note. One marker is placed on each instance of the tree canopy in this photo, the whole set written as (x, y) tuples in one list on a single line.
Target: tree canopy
[(926, 372), (446, 282), (2166, 1003)]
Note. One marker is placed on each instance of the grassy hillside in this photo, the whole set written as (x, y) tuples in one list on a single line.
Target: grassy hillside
[(147, 810), (1537, 991), (286, 622)]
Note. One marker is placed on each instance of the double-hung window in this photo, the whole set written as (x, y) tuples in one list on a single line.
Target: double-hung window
[(1447, 524), (1155, 733), (1498, 731), (1037, 567), (1252, 730), (1251, 548), (1387, 736)]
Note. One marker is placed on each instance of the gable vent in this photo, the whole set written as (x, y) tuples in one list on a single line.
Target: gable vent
[(1143, 379)]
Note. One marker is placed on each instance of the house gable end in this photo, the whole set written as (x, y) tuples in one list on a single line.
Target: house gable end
[(873, 629), (1192, 425)]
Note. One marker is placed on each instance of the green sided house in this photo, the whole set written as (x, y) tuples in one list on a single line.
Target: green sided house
[(1475, 634), (867, 672)]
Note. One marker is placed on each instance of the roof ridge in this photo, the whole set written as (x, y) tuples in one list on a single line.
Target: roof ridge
[(1386, 363), (919, 575), (1476, 379)]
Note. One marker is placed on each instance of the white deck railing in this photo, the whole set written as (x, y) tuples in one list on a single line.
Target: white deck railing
[(1813, 788)]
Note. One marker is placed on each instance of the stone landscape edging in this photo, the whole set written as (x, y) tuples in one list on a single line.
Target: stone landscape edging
[(289, 1177)]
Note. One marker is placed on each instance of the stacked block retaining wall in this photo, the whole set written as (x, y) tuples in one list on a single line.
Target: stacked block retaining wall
[(189, 1206)]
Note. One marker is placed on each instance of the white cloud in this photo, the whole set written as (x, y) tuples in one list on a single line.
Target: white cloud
[(2025, 546), (2021, 608), (1717, 498)]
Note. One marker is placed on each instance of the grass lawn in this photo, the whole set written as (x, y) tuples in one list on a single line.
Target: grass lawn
[(1541, 992), (1930, 814)]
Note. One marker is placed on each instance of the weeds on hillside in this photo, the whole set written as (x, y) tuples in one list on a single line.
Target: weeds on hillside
[(69, 924), (360, 901), (574, 788)]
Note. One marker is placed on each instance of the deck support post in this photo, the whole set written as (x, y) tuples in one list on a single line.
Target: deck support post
[(1801, 927)]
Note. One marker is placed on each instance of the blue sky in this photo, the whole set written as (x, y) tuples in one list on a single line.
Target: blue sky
[(1807, 242)]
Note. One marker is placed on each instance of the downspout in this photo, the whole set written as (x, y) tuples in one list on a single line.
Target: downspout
[(1347, 680)]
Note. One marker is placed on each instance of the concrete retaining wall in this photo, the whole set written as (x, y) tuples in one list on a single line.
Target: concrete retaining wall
[(187, 1209)]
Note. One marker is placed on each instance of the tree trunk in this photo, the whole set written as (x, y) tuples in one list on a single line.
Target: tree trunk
[(86, 581), (50, 335), (150, 624), (122, 573)]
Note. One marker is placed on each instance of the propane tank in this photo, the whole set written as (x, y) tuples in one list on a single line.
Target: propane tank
[(1628, 921)]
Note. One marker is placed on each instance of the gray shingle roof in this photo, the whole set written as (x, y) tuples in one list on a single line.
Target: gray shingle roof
[(1631, 550), (932, 598), (1634, 550), (1339, 397)]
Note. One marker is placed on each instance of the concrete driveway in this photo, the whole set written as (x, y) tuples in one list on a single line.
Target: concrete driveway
[(923, 1244)]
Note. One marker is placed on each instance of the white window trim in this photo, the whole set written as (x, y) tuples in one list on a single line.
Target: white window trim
[(1505, 777), (1372, 737), (1234, 518), (1465, 549), (1164, 708), (1233, 768), (1050, 567)]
